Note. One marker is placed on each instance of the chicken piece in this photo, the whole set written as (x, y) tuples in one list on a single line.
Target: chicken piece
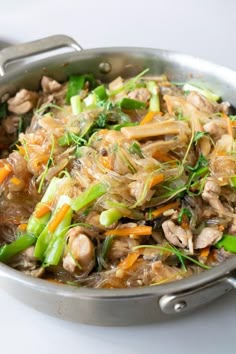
[(177, 235), (211, 194), (202, 103), (121, 247), (50, 85), (140, 94), (22, 102), (216, 128), (116, 84), (80, 250), (10, 124), (232, 229), (207, 237), (26, 262)]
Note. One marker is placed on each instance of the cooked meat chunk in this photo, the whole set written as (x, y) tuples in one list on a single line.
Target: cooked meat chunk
[(22, 102), (121, 247), (177, 235), (10, 124), (232, 229), (80, 252), (208, 236), (202, 103), (216, 128), (50, 85), (140, 94), (211, 194), (27, 263)]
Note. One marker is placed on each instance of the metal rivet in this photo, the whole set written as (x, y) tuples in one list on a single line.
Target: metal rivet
[(104, 67), (180, 306)]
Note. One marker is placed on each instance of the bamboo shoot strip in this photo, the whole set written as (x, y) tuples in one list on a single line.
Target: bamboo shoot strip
[(168, 127)]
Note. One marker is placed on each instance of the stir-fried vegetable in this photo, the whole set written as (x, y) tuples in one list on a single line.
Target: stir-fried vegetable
[(125, 184)]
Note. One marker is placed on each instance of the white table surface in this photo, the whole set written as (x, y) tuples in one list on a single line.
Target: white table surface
[(202, 28)]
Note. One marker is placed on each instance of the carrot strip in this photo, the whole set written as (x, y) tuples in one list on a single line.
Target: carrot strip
[(161, 210), (4, 172), (205, 252), (129, 260), (42, 210), (229, 124), (156, 180), (21, 149), (15, 181), (147, 118), (163, 157), (138, 230), (22, 227), (58, 217)]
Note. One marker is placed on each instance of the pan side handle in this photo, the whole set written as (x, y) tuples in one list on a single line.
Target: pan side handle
[(40, 46), (194, 298)]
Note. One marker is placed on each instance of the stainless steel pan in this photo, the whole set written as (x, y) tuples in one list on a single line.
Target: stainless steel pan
[(124, 306)]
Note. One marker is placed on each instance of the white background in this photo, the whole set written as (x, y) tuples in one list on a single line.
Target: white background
[(203, 28)]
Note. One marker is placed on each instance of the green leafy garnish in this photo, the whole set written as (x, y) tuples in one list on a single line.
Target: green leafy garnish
[(228, 242), (199, 135), (176, 252), (186, 212), (136, 149)]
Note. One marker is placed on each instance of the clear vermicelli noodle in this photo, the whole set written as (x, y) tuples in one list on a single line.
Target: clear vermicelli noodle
[(126, 184)]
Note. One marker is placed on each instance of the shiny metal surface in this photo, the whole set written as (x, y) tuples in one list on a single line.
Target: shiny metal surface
[(118, 306), (192, 299)]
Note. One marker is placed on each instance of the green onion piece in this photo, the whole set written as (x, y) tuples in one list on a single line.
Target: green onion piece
[(101, 93), (119, 126), (65, 140), (228, 242), (76, 104), (55, 248), (198, 136), (136, 149), (130, 104), (106, 246), (110, 216), (45, 237), (75, 85), (17, 246), (90, 101), (232, 181), (184, 211), (202, 90), (154, 104), (36, 225), (89, 195)]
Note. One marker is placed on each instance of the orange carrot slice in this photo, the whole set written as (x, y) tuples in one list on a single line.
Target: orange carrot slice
[(138, 231), (129, 260), (58, 217), (159, 211), (4, 172)]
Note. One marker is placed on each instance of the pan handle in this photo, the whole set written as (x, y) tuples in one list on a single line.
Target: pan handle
[(191, 299), (37, 47)]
